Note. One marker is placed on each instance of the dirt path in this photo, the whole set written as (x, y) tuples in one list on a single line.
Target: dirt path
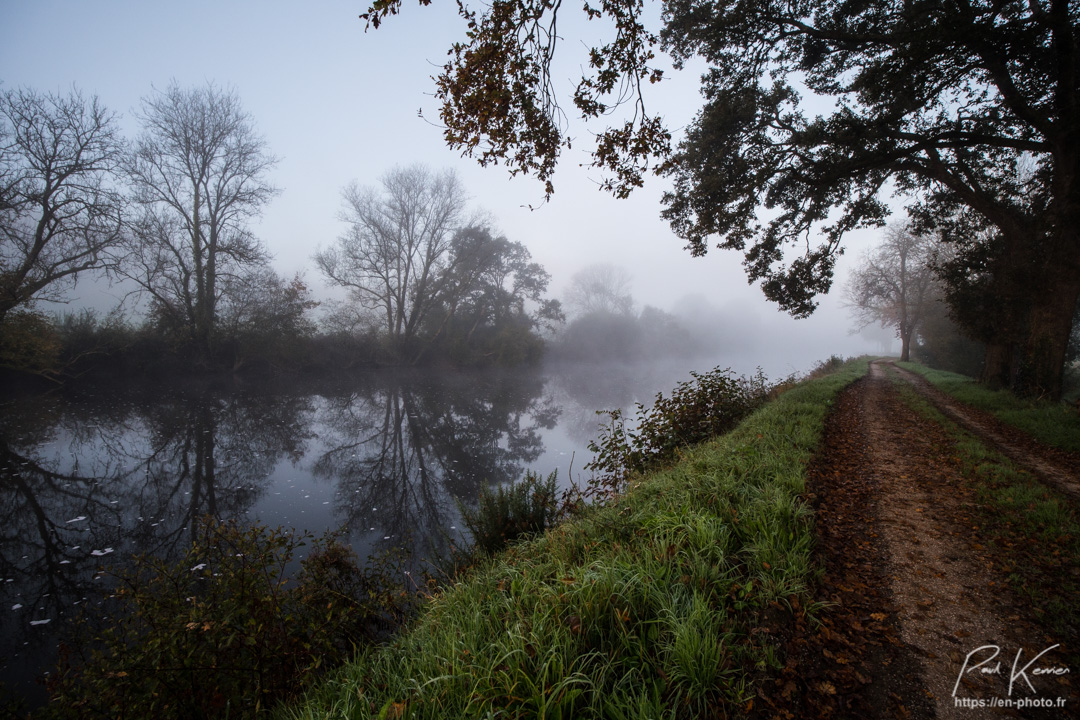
[(914, 588), (1056, 467)]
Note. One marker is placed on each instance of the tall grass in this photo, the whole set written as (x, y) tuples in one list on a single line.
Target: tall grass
[(511, 512), (650, 606), (1053, 423)]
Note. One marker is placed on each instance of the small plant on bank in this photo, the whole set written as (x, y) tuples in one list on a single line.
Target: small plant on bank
[(224, 632), (826, 367), (709, 405), (511, 512)]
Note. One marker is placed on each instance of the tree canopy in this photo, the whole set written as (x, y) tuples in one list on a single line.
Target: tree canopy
[(813, 113), (60, 212), (198, 173)]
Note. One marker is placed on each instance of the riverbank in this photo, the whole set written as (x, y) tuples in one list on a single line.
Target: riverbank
[(672, 601)]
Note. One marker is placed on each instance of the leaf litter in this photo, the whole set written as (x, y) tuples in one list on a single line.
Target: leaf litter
[(911, 584)]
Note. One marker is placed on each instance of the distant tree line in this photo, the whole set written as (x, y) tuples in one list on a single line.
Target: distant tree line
[(815, 111), (604, 324), (168, 213)]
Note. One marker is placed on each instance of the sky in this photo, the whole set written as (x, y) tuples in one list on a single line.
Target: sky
[(336, 104)]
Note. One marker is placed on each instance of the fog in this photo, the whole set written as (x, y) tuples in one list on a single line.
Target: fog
[(336, 104)]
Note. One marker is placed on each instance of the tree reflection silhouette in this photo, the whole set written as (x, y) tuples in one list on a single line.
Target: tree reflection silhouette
[(212, 455), (90, 480), (88, 483), (403, 449)]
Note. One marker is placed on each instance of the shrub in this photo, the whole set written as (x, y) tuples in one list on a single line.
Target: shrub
[(709, 405), (509, 513), (827, 367), (224, 631), (28, 342)]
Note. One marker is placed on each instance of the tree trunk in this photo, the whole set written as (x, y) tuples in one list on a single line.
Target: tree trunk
[(905, 346), (209, 317), (997, 367), (205, 467), (1040, 372), (200, 330)]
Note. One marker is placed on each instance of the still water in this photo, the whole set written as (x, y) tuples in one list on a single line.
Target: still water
[(92, 477)]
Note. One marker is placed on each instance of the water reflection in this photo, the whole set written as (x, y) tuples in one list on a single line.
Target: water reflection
[(86, 482), (91, 479), (401, 453), (581, 389), (210, 454)]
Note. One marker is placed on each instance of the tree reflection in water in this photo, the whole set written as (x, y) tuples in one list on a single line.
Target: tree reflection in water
[(402, 450), (88, 482)]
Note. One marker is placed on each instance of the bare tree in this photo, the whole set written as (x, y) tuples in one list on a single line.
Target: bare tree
[(392, 256), (600, 288), (894, 284), (198, 172), (59, 213)]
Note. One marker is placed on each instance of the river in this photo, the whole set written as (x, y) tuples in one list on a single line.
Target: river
[(93, 475)]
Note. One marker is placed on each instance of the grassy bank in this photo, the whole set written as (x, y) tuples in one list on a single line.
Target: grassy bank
[(1053, 423), (658, 605)]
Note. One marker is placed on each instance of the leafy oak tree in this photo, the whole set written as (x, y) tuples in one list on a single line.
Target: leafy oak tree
[(812, 111), (492, 304)]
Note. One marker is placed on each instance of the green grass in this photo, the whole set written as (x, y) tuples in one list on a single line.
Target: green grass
[(649, 607), (1052, 423)]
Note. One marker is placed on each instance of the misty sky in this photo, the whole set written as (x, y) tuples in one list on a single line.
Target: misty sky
[(335, 104)]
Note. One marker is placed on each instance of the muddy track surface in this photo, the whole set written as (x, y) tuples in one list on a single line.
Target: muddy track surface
[(1057, 467), (916, 597)]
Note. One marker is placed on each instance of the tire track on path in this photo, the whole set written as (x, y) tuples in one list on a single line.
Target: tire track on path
[(899, 532), (1056, 467)]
